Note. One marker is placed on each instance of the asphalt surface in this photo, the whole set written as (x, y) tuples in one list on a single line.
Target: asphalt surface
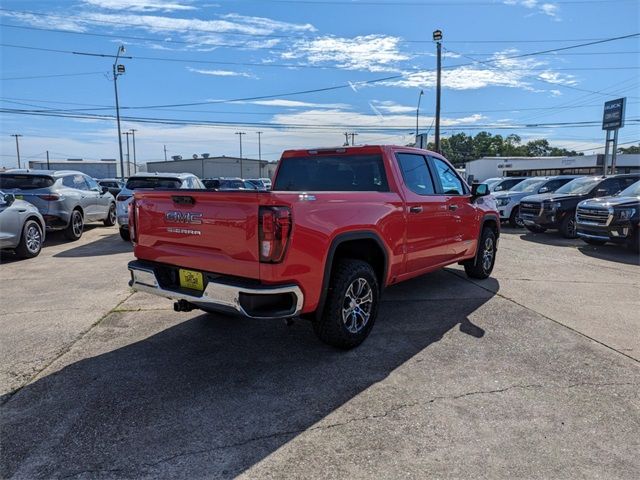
[(533, 373)]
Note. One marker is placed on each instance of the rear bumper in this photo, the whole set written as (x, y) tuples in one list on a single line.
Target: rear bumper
[(253, 301)]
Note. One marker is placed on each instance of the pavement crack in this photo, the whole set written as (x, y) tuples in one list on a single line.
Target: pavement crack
[(63, 351)]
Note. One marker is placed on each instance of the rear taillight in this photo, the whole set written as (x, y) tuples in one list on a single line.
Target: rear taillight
[(274, 230), (50, 197), (133, 220), (122, 198)]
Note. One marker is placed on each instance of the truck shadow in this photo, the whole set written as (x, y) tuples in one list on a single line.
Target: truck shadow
[(612, 253), (212, 396), (109, 243)]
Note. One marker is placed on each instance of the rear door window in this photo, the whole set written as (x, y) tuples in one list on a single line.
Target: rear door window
[(75, 181), (337, 173), (25, 182), (415, 173)]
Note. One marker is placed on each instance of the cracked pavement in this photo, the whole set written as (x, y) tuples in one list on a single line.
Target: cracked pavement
[(533, 373)]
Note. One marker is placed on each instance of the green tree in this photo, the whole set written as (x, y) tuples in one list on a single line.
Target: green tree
[(631, 149)]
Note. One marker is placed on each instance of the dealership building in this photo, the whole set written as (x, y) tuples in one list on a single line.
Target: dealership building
[(488, 167), (212, 167)]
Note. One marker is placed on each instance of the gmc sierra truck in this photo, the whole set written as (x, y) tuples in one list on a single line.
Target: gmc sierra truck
[(338, 226)]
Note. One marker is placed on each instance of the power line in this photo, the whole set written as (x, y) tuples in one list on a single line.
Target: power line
[(52, 75)]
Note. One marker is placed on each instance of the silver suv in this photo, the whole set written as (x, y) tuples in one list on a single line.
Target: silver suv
[(152, 181), (66, 199)]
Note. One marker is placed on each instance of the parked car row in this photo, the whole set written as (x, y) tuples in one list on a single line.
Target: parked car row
[(596, 208), (64, 199)]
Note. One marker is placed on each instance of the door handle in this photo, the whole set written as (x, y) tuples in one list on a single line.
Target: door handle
[(415, 209), (453, 207)]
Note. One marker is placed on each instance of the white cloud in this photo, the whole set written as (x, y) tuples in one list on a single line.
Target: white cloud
[(388, 106), (60, 23), (549, 9), (374, 53), (221, 73), (139, 5), (297, 104)]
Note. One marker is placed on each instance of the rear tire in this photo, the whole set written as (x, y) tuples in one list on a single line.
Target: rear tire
[(568, 226), (482, 264), (125, 235), (351, 306), (514, 219), (535, 228), (75, 228), (31, 240), (110, 221)]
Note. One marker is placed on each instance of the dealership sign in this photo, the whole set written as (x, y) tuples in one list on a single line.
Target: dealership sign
[(613, 114)]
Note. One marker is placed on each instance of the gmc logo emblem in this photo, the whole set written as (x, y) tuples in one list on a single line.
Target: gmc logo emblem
[(183, 217)]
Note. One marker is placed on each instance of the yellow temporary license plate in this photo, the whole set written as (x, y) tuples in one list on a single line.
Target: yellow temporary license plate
[(19, 197), (191, 279)]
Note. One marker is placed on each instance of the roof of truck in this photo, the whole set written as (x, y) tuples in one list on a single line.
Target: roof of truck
[(351, 150)]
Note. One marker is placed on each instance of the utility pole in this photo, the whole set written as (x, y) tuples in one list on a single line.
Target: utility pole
[(133, 137), (48, 166), (240, 135), (418, 115), (17, 146), (128, 155), (259, 155), (437, 37), (118, 70), (165, 153), (353, 134), (346, 136)]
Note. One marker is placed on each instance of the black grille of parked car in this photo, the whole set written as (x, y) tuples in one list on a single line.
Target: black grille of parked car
[(530, 208), (598, 216)]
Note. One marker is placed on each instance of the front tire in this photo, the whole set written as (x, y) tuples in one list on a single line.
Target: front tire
[(482, 264), (31, 240), (125, 235), (75, 228), (110, 221), (514, 219), (568, 226), (351, 306)]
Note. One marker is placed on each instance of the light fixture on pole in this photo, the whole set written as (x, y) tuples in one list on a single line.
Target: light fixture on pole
[(418, 114), (437, 37), (118, 70)]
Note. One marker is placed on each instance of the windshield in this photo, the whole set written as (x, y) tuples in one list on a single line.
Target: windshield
[(25, 182), (632, 190), (153, 182), (579, 185), (530, 185)]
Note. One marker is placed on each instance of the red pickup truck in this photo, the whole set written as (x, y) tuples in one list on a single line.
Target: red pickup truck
[(338, 227)]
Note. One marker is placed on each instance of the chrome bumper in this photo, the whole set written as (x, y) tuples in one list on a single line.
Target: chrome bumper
[(216, 296), (604, 238)]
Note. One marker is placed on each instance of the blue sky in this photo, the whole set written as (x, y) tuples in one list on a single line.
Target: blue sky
[(209, 52)]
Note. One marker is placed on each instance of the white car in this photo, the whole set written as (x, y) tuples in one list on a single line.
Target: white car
[(154, 181), (21, 226), (508, 201)]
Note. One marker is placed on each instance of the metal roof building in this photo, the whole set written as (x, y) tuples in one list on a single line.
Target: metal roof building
[(210, 167), (97, 169)]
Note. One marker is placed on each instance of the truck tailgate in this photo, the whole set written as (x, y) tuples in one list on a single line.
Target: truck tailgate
[(199, 229)]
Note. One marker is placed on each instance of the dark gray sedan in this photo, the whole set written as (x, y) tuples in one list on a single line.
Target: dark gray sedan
[(66, 199), (21, 226)]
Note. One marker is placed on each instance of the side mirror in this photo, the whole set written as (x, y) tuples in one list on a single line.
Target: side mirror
[(543, 190), (479, 190), (104, 190), (497, 189)]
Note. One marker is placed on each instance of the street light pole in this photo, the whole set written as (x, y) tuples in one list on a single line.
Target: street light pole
[(418, 114), (259, 155), (17, 135), (165, 153), (116, 72), (437, 37), (133, 137), (240, 135), (128, 155)]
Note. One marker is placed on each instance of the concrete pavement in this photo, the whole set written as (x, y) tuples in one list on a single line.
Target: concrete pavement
[(533, 373)]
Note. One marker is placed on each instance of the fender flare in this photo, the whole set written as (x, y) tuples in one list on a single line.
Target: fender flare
[(328, 265)]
